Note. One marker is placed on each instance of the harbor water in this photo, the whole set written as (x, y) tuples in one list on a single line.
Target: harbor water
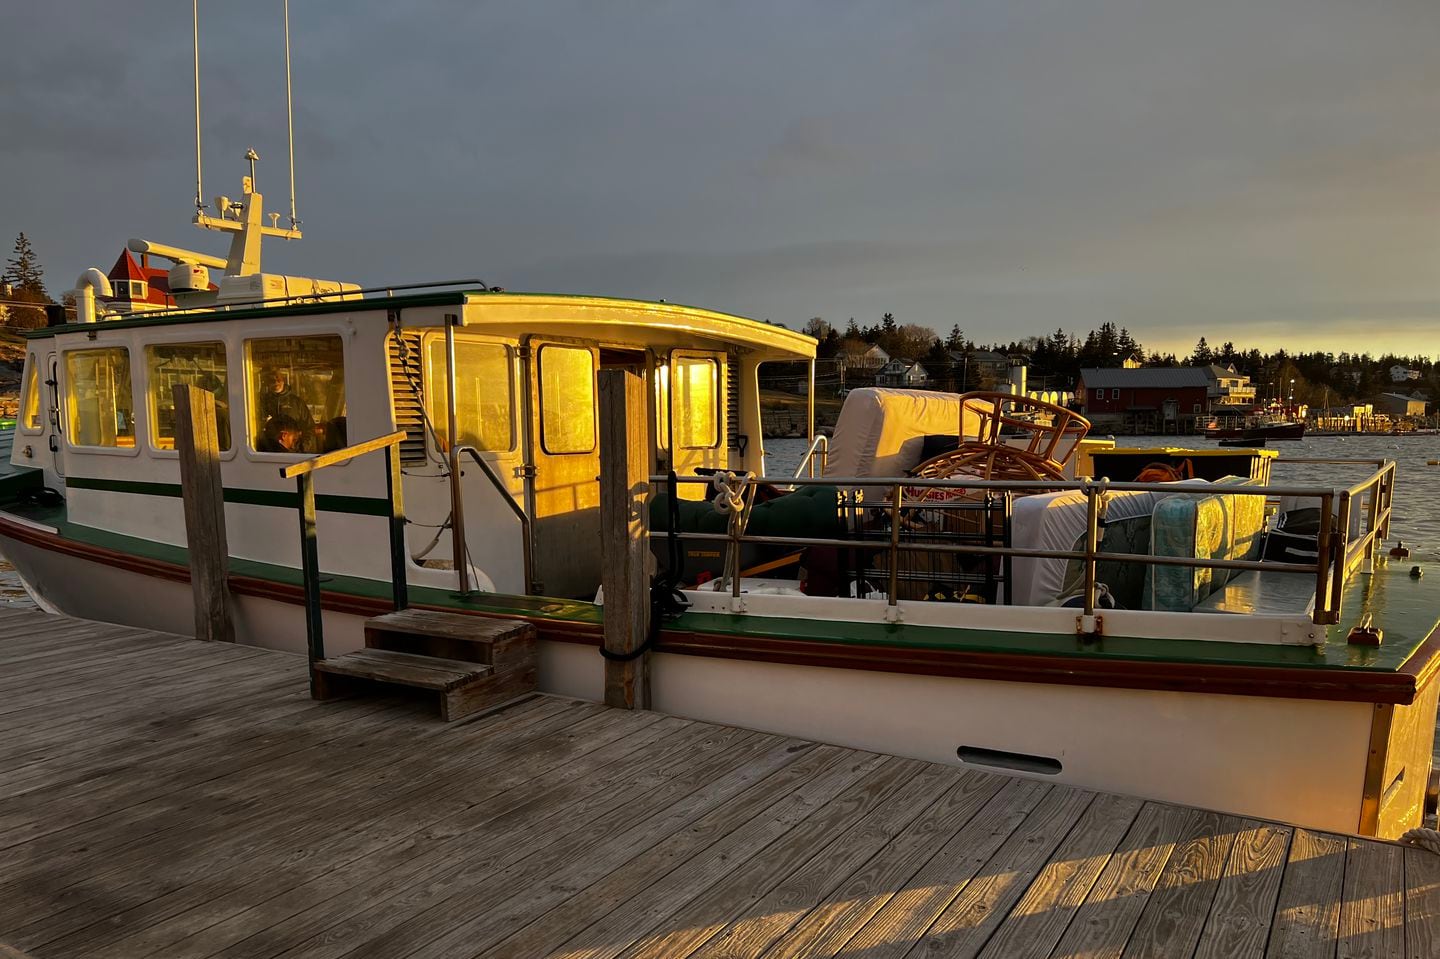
[(1414, 522)]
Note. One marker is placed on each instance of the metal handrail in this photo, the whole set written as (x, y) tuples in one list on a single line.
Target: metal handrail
[(303, 473), (820, 447), (1337, 556), (515, 508)]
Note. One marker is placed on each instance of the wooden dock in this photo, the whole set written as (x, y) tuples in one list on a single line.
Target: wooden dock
[(161, 796)]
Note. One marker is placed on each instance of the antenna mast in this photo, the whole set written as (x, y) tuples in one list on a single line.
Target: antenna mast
[(290, 117), (199, 182)]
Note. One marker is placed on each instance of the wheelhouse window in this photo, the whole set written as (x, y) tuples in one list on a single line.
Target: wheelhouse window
[(30, 410), (296, 394), (99, 400), (193, 364), (567, 399), (697, 403), (484, 394)]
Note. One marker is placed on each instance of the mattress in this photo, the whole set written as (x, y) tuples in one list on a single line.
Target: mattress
[(881, 432), (1057, 521)]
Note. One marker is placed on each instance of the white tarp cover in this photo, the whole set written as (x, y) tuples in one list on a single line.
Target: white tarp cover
[(1057, 521), (880, 431)]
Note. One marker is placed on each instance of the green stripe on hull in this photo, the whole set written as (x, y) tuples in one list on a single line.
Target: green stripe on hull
[(355, 505)]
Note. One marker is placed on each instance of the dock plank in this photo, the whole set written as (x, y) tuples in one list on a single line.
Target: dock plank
[(1174, 915), (1103, 923), (1372, 910), (1307, 917), (1038, 921), (1238, 926), (1422, 903), (160, 796)]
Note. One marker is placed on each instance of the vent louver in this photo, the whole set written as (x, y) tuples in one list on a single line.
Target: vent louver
[(732, 402), (405, 373)]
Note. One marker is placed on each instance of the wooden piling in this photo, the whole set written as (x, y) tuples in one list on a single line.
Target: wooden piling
[(624, 536), (199, 447)]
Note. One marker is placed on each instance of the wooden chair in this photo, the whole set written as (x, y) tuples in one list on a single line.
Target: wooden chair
[(1052, 434)]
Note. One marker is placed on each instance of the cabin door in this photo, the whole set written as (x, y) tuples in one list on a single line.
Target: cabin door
[(563, 488), (489, 428), (697, 418)]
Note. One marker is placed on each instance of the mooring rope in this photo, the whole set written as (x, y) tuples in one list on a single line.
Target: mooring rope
[(1424, 838)]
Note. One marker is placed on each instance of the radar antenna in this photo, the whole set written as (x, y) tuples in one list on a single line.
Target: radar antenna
[(199, 180), (290, 118)]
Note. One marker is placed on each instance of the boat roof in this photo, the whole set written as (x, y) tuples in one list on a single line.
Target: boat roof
[(485, 309)]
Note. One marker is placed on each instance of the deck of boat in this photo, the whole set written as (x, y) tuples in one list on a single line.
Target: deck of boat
[(161, 796)]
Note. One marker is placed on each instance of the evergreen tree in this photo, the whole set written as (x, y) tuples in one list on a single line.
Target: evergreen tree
[(23, 271), (1203, 355), (956, 339), (1128, 346), (27, 282)]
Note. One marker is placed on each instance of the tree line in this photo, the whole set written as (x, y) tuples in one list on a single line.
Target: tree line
[(1316, 378)]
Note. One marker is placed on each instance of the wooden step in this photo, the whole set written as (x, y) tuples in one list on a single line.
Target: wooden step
[(462, 687), (503, 643)]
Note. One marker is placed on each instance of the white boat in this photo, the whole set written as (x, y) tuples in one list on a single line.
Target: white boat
[(940, 616)]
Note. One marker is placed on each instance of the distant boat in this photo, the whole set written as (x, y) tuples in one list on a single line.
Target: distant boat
[(1292, 430), (1269, 423)]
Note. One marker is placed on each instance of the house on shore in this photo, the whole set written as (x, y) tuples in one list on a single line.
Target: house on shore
[(906, 374), (1230, 391), (1145, 400)]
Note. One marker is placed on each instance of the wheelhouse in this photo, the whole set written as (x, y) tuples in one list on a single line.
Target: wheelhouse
[(512, 375)]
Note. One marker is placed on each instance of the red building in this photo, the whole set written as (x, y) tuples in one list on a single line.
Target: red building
[(1161, 399), (139, 286)]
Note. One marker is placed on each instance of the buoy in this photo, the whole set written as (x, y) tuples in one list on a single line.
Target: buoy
[(1432, 462), (1416, 572)]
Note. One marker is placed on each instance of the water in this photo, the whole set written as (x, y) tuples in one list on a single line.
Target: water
[(1411, 520)]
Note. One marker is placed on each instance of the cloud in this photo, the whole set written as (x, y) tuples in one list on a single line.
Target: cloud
[(1229, 168)]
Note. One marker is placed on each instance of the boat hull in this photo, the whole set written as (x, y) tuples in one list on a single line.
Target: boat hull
[(1196, 748)]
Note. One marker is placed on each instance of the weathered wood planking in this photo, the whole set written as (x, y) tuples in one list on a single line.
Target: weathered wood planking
[(197, 442), (166, 797), (1307, 918), (624, 536)]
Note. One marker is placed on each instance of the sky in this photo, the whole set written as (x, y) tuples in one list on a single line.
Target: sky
[(1262, 171)]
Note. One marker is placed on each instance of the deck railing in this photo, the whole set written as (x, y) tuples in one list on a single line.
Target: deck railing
[(818, 453), (515, 508), (1340, 549), (304, 475)]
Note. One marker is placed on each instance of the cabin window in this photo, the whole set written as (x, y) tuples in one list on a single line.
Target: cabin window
[(101, 407), (1115, 393), (30, 413), (195, 364), (1099, 393), (662, 406), (697, 403), (484, 394), (297, 394), (567, 399)]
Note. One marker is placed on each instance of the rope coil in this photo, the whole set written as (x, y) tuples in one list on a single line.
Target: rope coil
[(1428, 839)]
